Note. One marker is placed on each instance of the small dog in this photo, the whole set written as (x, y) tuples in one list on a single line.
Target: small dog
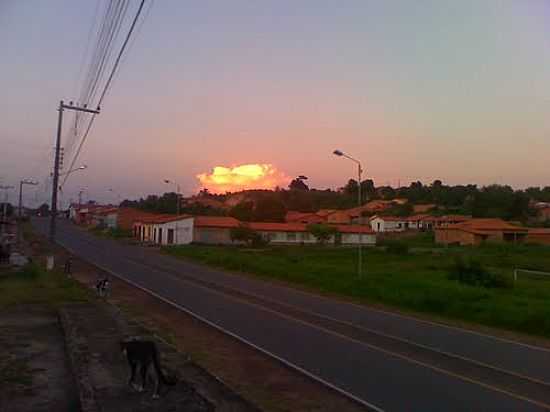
[(102, 287), (145, 355)]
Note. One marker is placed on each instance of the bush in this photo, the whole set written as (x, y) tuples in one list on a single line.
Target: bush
[(396, 247), (472, 272)]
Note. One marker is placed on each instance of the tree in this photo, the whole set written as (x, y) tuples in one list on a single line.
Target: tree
[(298, 184), (269, 209), (243, 211), (322, 232), (242, 233), (44, 209)]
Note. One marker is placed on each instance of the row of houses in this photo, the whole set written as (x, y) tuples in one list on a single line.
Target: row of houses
[(416, 222), (185, 229)]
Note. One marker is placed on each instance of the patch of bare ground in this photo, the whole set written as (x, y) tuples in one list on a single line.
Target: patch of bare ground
[(34, 372)]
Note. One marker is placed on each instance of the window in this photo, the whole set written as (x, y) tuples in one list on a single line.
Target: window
[(291, 236)]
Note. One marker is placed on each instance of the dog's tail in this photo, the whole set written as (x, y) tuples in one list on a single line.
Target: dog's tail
[(158, 369)]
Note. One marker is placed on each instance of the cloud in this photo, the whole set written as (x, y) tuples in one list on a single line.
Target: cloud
[(249, 176)]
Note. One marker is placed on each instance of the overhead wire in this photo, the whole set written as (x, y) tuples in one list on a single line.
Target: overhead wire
[(108, 83)]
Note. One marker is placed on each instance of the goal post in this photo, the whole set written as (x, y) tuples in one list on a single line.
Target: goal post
[(531, 272)]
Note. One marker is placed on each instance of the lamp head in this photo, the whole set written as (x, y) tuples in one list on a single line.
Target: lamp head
[(338, 152)]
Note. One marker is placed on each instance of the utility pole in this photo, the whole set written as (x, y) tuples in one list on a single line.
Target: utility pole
[(55, 185)]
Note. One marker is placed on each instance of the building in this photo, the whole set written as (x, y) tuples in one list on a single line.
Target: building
[(538, 235), (214, 229), (165, 229), (543, 214), (184, 229), (477, 231), (127, 216), (297, 233), (388, 223), (104, 217)]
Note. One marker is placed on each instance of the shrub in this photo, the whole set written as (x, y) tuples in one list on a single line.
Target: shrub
[(396, 247), (322, 232), (247, 235), (472, 272)]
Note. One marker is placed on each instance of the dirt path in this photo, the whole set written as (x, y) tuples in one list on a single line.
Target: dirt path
[(34, 372)]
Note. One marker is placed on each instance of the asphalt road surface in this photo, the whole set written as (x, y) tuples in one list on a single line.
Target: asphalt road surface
[(386, 361)]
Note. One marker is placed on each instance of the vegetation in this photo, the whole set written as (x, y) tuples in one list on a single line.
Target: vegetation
[(396, 247), (499, 201), (472, 272), (417, 281), (33, 284), (245, 235), (323, 233)]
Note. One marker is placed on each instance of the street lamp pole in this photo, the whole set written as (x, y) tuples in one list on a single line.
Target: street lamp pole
[(359, 203), (167, 181), (21, 183)]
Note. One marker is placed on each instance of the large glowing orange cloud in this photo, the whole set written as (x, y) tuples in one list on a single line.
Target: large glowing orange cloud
[(250, 176)]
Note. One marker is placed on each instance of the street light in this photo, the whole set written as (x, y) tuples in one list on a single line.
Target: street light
[(172, 182), (21, 183), (339, 153)]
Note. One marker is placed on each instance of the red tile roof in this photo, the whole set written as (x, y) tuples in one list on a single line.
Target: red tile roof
[(216, 221), (486, 226), (165, 218)]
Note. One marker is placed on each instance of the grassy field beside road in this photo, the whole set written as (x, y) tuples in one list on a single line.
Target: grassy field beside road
[(417, 281)]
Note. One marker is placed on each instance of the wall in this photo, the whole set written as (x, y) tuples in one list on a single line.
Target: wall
[(213, 236), (353, 239), (183, 232), (453, 236)]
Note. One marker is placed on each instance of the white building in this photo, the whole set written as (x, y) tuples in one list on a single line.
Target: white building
[(165, 230), (389, 223)]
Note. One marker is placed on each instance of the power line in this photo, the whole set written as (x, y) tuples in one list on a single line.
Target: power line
[(107, 84)]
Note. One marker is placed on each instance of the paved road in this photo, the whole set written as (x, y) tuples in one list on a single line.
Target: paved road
[(390, 362)]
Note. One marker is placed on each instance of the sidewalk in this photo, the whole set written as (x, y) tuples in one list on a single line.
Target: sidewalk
[(93, 332)]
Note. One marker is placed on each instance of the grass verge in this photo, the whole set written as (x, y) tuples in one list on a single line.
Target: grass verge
[(412, 281)]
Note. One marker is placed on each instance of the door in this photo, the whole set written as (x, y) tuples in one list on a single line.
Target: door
[(160, 235), (170, 236)]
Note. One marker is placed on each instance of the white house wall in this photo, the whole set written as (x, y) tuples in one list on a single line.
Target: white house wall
[(183, 232)]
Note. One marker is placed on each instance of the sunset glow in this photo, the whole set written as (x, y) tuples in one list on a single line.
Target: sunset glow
[(249, 176)]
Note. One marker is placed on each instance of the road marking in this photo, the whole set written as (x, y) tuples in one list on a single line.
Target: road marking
[(239, 338), (328, 331), (356, 341), (343, 322)]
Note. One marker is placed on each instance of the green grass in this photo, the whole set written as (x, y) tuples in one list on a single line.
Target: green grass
[(33, 285), (416, 281)]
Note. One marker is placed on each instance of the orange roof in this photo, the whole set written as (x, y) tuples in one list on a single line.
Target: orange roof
[(105, 211), (294, 216), (539, 231), (486, 226), (325, 212), (216, 221), (390, 218), (165, 218), (300, 227)]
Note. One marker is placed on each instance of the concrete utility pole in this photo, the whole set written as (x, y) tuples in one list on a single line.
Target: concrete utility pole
[(359, 203), (55, 185)]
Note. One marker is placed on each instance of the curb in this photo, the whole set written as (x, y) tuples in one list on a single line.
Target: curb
[(78, 357)]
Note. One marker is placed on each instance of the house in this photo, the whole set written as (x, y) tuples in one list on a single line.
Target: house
[(104, 217), (429, 222), (538, 235), (543, 214), (297, 233), (214, 229), (127, 216), (165, 229), (388, 223), (423, 208), (184, 229), (477, 231), (299, 217)]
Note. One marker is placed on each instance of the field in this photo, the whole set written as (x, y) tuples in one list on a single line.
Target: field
[(417, 280)]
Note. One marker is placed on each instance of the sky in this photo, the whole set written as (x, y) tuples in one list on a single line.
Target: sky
[(424, 90)]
